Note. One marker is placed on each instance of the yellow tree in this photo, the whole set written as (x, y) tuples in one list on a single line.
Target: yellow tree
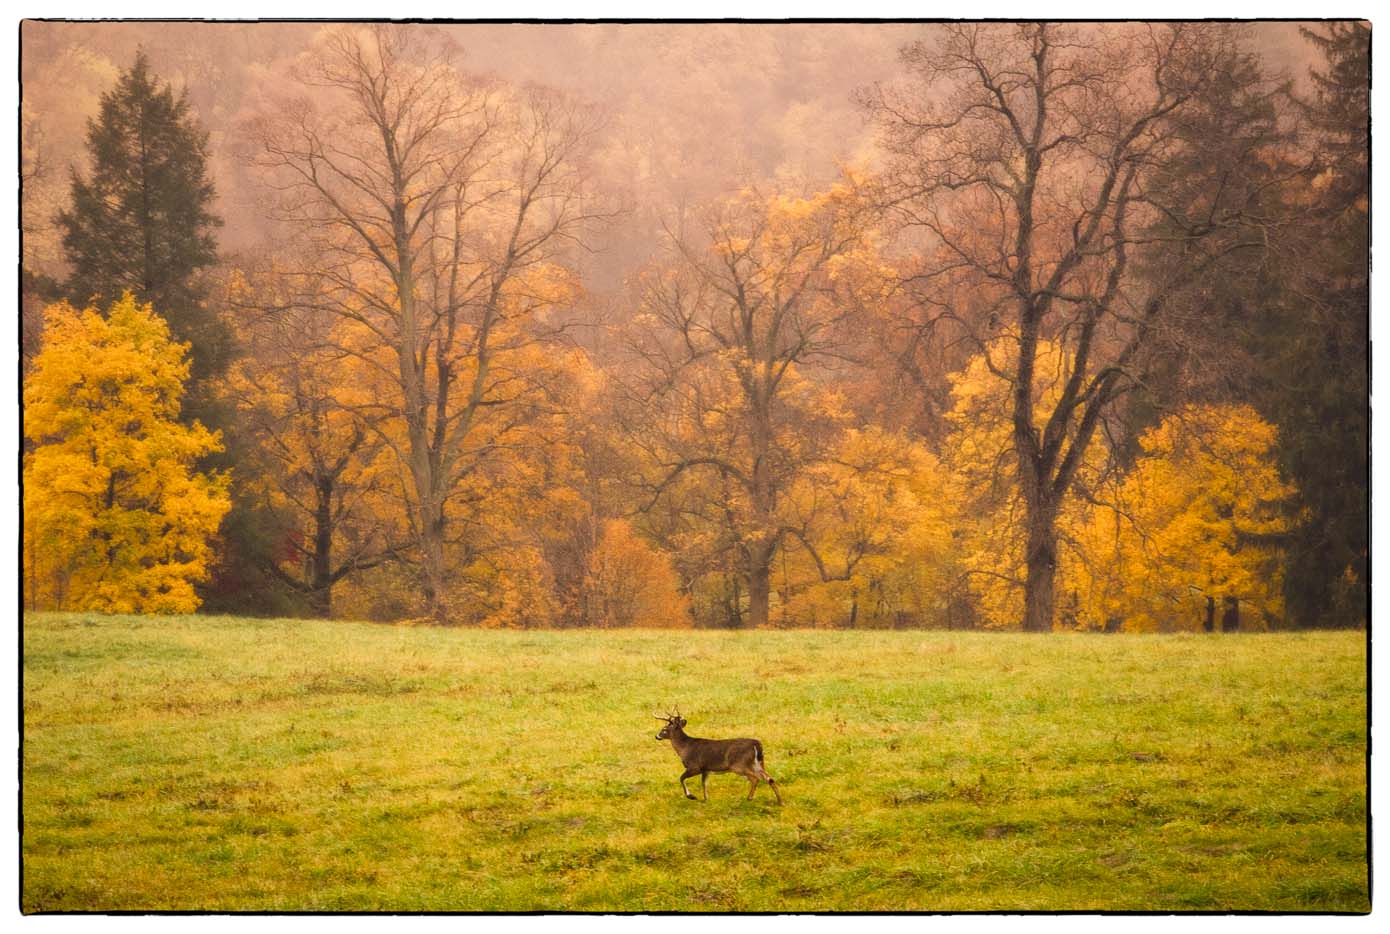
[(447, 206), (518, 495), (735, 335), (631, 583), (991, 515), (115, 518), (877, 506), (311, 460), (1203, 517)]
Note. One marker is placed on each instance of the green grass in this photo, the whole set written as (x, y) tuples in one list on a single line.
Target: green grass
[(229, 764)]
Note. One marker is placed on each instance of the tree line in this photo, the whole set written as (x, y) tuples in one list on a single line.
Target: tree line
[(1086, 349)]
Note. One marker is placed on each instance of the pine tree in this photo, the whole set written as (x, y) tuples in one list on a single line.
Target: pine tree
[(143, 221), (1342, 108), (1321, 400)]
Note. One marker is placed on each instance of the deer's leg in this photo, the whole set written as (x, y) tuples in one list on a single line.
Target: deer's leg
[(752, 786), (688, 773), (771, 783), (703, 793)]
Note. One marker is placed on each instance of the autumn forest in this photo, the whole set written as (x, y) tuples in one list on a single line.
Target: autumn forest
[(956, 326)]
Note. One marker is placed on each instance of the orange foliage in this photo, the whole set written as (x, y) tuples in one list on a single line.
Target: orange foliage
[(630, 583)]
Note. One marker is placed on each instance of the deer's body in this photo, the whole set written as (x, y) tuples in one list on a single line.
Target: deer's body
[(703, 756)]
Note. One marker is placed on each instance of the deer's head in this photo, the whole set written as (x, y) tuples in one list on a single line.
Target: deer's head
[(674, 721)]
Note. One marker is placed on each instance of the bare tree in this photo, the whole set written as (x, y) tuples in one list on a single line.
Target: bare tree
[(1025, 157), (445, 203)]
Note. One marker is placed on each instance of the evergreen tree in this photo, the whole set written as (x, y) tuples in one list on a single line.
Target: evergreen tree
[(1283, 323), (143, 221), (1341, 110), (1322, 405)]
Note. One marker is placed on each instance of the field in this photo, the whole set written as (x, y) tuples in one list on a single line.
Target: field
[(233, 764)]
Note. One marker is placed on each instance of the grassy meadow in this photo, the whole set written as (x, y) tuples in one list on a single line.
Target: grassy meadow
[(235, 764)]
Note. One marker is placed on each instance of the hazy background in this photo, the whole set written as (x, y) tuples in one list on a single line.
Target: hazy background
[(692, 110)]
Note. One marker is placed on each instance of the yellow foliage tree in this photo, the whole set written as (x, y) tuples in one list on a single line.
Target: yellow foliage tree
[(115, 518), (446, 210), (309, 456), (1033, 162), (630, 583), (876, 508), (1202, 515), (738, 335), (513, 477), (983, 483)]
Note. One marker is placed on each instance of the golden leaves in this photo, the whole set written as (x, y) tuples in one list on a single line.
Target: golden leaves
[(631, 583), (1206, 512), (1201, 513), (115, 518)]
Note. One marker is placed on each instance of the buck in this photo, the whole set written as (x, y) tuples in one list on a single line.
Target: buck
[(702, 756)]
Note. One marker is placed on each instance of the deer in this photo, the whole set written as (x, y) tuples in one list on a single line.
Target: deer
[(702, 756)]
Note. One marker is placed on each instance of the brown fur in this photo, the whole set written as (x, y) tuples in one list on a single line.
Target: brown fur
[(702, 756)]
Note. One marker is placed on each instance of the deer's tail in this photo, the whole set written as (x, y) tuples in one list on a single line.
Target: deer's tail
[(758, 765)]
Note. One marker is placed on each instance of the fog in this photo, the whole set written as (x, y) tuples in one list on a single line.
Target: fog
[(689, 111)]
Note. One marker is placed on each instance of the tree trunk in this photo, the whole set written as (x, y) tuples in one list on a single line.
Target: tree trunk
[(1230, 614), (432, 567), (1039, 589), (424, 466), (321, 594), (321, 602), (759, 584)]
